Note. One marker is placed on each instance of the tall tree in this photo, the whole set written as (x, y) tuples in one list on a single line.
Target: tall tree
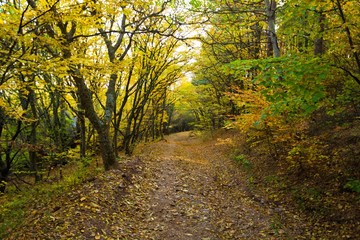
[(271, 16)]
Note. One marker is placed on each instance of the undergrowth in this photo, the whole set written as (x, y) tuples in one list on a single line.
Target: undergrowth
[(15, 205), (311, 167)]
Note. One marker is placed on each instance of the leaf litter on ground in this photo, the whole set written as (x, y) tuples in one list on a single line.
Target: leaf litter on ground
[(180, 188)]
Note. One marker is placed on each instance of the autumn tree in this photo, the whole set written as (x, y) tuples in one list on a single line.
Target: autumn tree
[(158, 69), (112, 26), (19, 107), (280, 64), (62, 61), (304, 32), (235, 30)]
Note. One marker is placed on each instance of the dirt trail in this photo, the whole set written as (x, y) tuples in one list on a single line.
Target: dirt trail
[(197, 194), (181, 188), (179, 206)]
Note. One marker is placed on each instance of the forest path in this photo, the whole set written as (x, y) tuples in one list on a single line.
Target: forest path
[(196, 193), (176, 189)]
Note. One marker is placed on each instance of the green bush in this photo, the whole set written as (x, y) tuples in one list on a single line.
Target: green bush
[(241, 159), (353, 185)]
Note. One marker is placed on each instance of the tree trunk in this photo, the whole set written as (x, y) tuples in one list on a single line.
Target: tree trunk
[(82, 133), (57, 128), (270, 13), (32, 138), (101, 127), (5, 166), (4, 172), (161, 124), (119, 113), (107, 151), (351, 44), (319, 48)]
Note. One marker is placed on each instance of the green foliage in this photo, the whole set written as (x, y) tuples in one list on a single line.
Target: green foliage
[(241, 159), (247, 165), (343, 96), (293, 85), (196, 4), (353, 185), (198, 82), (85, 162), (12, 212)]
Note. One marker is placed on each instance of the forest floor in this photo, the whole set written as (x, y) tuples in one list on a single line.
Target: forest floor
[(179, 188)]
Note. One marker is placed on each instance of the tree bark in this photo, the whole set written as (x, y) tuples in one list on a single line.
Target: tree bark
[(3, 167), (319, 48), (32, 138), (101, 127), (354, 51), (107, 151), (82, 133), (271, 13)]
